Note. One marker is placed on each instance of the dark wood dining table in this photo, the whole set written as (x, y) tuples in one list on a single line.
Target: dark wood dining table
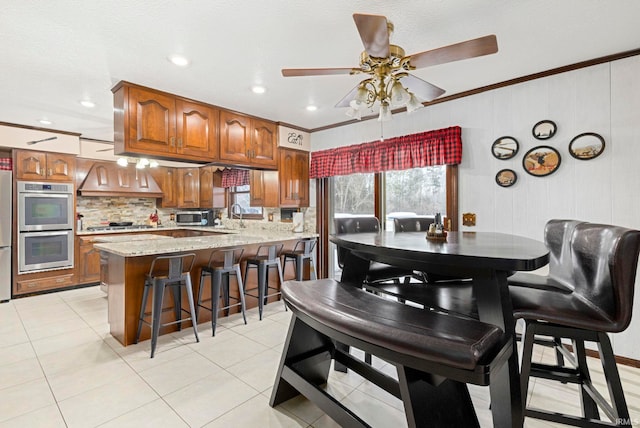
[(486, 257)]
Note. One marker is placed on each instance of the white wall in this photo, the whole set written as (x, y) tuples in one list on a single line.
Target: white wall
[(604, 99)]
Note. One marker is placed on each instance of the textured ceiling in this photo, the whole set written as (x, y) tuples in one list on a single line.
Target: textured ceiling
[(55, 53)]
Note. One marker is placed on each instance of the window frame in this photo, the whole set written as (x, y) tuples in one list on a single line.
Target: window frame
[(233, 192)]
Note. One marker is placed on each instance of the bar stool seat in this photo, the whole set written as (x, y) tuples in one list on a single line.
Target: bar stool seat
[(267, 257), (303, 250), (167, 271), (222, 264)]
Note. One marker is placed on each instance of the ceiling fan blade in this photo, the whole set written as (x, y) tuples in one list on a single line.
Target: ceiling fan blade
[(374, 34), (293, 72), (422, 89), (344, 102), (471, 48)]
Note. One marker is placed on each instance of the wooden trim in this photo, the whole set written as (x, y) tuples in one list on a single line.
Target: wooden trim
[(625, 361), (452, 196), (35, 128), (510, 82), (322, 226)]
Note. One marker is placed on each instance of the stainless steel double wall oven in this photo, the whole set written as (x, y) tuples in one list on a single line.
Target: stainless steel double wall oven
[(45, 226)]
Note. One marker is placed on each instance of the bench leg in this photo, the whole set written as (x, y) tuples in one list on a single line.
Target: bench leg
[(302, 343), (434, 401)]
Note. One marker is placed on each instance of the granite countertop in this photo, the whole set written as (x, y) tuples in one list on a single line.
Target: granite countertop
[(128, 238), (132, 248), (216, 229)]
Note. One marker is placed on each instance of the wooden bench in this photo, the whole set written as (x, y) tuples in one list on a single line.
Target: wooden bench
[(435, 354)]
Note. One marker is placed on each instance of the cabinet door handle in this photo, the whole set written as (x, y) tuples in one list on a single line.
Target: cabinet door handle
[(180, 142), (172, 141), (50, 172)]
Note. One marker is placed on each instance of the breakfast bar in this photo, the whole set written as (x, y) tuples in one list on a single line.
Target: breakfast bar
[(125, 263)]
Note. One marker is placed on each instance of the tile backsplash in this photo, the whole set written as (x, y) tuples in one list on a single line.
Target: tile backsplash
[(97, 211)]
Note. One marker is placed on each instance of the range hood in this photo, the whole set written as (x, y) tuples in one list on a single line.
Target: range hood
[(109, 179)]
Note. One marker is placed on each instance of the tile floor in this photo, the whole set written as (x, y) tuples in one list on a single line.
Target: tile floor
[(59, 367)]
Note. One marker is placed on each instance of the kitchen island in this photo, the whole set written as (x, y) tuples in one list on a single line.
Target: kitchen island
[(124, 265)]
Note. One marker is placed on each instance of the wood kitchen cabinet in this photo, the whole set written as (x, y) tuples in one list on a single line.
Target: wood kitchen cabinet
[(188, 187), (88, 260), (263, 188), (33, 165), (293, 176), (180, 187), (248, 141), (162, 125), (212, 194), (167, 180)]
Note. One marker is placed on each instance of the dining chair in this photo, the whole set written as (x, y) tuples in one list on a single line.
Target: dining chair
[(599, 266), (378, 272)]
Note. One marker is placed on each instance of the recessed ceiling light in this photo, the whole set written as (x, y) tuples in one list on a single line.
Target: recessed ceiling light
[(45, 122), (179, 60), (311, 107), (257, 89), (87, 104)]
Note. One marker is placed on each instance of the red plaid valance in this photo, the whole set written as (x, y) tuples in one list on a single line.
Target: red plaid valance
[(439, 147), (235, 177)]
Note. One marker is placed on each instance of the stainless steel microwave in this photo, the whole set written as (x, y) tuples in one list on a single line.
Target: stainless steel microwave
[(194, 218)]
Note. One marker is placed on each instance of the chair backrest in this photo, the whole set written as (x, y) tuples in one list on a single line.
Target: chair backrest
[(172, 266), (605, 259), (225, 258), (306, 246), (362, 224), (356, 224), (270, 252), (412, 224), (557, 238)]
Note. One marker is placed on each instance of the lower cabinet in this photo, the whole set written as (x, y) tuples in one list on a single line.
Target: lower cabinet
[(43, 283), (88, 260)]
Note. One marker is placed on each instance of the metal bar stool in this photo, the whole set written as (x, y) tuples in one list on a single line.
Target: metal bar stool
[(267, 256), (170, 272), (222, 264), (303, 250)]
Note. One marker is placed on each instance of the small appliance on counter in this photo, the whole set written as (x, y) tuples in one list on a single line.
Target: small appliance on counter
[(195, 218), (298, 222)]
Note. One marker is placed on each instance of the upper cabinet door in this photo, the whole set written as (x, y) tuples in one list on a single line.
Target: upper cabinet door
[(151, 124), (188, 187), (31, 165), (235, 137), (197, 130), (263, 149), (293, 173), (60, 167)]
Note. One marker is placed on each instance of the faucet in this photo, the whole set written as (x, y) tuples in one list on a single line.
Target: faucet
[(233, 213)]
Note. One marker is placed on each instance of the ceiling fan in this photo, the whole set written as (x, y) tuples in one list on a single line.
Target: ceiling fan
[(387, 65)]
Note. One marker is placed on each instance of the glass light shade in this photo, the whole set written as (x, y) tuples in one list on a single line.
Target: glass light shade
[(362, 95), (413, 104), (399, 95), (385, 113), (122, 161), (153, 164), (355, 113)]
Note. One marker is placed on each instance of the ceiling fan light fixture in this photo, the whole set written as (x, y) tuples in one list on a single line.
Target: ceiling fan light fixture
[(385, 113), (354, 113), (399, 95), (413, 104)]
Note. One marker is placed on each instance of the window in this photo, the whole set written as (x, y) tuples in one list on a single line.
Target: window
[(417, 191), (353, 195), (240, 195)]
